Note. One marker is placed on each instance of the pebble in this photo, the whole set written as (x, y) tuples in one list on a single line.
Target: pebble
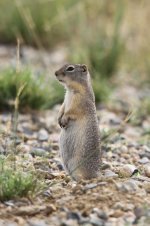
[(38, 152), (128, 186), (146, 186), (105, 165), (127, 170), (9, 224), (123, 148), (58, 163), (116, 213), (144, 160), (139, 212), (74, 215), (116, 222), (42, 135), (124, 206), (129, 217), (109, 173), (95, 221), (145, 152), (37, 222), (27, 131), (85, 224), (69, 222), (147, 170), (100, 213), (146, 148), (90, 186)]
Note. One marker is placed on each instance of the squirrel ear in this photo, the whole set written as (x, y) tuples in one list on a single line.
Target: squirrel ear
[(84, 68)]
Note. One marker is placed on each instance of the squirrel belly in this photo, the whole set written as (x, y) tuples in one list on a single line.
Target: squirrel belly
[(80, 149)]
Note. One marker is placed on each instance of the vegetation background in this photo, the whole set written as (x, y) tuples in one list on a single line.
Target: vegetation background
[(109, 36)]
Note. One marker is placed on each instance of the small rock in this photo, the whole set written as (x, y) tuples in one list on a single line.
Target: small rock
[(95, 221), (69, 222), (144, 160), (127, 170), (123, 148), (147, 170), (58, 163), (43, 135), (38, 152), (124, 206), (146, 186), (48, 193), (27, 132), (86, 224), (144, 151), (129, 186), (109, 173), (139, 212), (146, 148), (9, 203), (115, 122), (94, 185), (37, 222), (10, 224), (112, 222), (100, 213), (130, 217), (144, 154), (90, 186), (74, 215), (116, 213), (105, 166)]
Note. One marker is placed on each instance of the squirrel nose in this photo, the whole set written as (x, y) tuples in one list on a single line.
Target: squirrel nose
[(56, 73)]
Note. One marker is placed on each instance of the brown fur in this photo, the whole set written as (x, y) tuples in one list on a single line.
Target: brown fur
[(80, 138)]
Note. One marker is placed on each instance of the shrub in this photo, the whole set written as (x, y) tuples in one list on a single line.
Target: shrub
[(37, 94), (16, 183)]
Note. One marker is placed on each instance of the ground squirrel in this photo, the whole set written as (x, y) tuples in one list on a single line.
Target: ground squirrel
[(80, 137)]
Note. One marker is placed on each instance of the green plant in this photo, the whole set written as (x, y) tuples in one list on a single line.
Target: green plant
[(17, 183), (40, 24), (141, 111), (37, 93), (101, 88), (96, 46)]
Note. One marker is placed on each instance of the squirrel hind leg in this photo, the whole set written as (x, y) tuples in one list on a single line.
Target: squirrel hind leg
[(78, 172), (82, 174)]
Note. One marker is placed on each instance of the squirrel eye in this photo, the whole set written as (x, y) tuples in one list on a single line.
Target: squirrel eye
[(70, 68)]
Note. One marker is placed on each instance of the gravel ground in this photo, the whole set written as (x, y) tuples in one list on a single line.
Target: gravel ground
[(119, 197)]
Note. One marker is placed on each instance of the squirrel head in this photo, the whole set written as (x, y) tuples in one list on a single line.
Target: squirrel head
[(71, 74)]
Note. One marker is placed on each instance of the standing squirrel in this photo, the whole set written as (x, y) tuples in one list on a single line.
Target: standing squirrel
[(80, 137)]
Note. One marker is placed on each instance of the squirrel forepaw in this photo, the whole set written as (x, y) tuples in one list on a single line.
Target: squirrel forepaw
[(59, 121), (63, 122)]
